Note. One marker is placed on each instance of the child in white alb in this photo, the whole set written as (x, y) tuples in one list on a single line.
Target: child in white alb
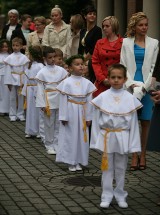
[(5, 50), (75, 114), (115, 132), (48, 97), (33, 114), (16, 64)]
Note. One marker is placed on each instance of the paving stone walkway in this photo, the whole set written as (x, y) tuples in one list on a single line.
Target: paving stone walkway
[(31, 183)]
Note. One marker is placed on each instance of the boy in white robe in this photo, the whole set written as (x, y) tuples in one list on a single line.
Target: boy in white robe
[(115, 132), (75, 114), (16, 64), (48, 97)]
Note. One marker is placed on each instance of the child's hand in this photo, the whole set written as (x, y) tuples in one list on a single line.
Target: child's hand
[(10, 87), (106, 82), (64, 122), (24, 47), (88, 123), (43, 109), (156, 96)]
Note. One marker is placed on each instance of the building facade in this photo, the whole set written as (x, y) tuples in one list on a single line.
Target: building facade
[(123, 9)]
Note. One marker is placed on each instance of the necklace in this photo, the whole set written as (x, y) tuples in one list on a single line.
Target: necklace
[(40, 36)]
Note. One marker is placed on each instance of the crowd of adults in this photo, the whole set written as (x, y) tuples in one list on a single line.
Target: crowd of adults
[(138, 52)]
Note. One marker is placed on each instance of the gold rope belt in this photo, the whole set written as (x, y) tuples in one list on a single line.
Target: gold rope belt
[(83, 117), (48, 111), (25, 101), (104, 164), (20, 74)]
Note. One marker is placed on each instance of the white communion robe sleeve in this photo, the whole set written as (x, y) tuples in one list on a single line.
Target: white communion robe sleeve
[(63, 111)]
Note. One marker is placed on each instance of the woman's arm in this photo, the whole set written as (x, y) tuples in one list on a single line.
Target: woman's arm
[(93, 38), (96, 63), (45, 41), (156, 71), (149, 82)]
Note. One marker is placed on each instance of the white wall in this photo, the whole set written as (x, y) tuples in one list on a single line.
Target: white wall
[(152, 10)]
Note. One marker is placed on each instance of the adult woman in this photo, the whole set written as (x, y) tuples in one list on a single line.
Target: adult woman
[(138, 54), (76, 23), (57, 33), (23, 32), (35, 38), (13, 24), (89, 37), (106, 53), (153, 142)]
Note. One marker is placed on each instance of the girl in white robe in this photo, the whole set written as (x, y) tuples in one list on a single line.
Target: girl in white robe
[(75, 114), (48, 97), (33, 116), (115, 132), (16, 64), (4, 91)]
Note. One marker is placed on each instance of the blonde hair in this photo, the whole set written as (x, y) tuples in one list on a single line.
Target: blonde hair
[(114, 23), (58, 9), (40, 19), (135, 18), (14, 11), (77, 21)]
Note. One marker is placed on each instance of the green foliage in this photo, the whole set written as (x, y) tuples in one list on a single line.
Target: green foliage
[(43, 7)]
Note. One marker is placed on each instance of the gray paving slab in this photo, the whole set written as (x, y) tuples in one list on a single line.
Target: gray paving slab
[(32, 183)]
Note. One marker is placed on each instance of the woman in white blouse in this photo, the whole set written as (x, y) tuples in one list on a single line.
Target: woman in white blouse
[(57, 33)]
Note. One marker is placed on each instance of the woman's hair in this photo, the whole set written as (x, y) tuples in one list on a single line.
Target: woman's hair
[(24, 17), (77, 21), (70, 60), (114, 23), (135, 18), (88, 9), (36, 55), (119, 67), (47, 50), (2, 44), (40, 19), (58, 52), (57, 8), (14, 11)]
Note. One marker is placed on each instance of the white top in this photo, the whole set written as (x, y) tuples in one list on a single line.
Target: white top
[(9, 32), (16, 64), (29, 77), (56, 39), (48, 78), (72, 45), (76, 86)]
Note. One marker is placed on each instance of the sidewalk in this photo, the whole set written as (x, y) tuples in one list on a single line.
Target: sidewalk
[(31, 183)]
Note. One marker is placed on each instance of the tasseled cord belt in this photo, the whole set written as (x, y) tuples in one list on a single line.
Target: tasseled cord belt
[(104, 163)]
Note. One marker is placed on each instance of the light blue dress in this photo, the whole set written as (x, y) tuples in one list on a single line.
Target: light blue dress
[(146, 111)]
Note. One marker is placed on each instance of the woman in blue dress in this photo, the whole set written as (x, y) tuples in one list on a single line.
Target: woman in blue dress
[(138, 54)]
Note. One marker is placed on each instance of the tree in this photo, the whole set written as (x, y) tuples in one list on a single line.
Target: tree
[(43, 8)]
